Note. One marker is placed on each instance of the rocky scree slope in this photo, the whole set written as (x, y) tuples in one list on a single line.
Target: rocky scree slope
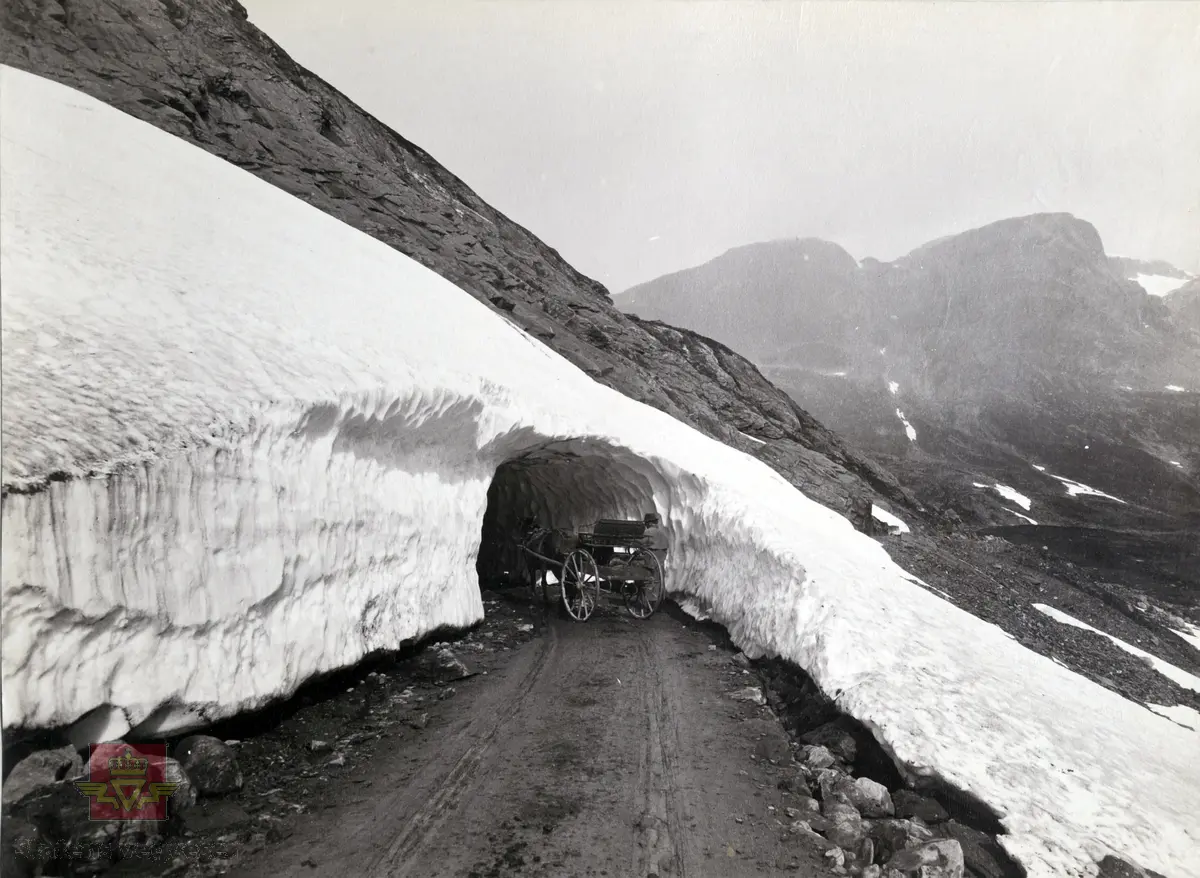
[(203, 72)]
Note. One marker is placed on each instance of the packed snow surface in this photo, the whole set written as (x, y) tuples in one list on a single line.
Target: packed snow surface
[(271, 440), (1160, 284), (1180, 714), (1168, 670), (881, 514)]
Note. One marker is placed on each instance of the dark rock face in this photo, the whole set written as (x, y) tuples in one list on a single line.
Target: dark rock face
[(210, 764), (202, 72), (41, 768), (910, 804)]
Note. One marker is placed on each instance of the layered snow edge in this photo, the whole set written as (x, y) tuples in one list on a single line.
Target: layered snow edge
[(291, 431)]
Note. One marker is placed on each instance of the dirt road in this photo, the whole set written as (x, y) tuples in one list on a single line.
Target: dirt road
[(605, 748)]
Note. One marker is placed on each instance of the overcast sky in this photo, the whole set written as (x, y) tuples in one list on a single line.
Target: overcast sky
[(639, 137)]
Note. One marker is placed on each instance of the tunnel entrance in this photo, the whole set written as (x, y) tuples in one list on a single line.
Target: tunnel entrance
[(568, 484)]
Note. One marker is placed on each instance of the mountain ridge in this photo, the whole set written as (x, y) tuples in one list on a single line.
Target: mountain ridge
[(205, 73)]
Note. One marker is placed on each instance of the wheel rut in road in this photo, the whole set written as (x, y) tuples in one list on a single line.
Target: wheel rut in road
[(607, 748)]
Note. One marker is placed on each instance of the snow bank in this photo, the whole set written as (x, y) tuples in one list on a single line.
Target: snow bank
[(1181, 714), (1168, 670), (271, 440), (881, 514)]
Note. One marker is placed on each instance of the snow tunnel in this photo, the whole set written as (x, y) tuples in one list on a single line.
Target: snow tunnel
[(568, 484)]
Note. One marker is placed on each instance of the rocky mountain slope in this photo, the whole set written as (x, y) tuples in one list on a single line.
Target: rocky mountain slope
[(816, 297), (992, 311), (1184, 302), (202, 72), (1008, 354)]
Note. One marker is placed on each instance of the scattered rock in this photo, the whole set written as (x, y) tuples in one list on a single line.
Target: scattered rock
[(210, 763), (833, 737), (751, 694), (40, 769), (837, 855), (866, 851), (808, 805), (846, 829), (910, 804), (803, 830), (317, 746), (793, 781), (185, 794), (337, 759), (740, 659), (936, 859), (871, 798), (982, 855), (817, 757), (892, 836), (419, 722), (441, 665)]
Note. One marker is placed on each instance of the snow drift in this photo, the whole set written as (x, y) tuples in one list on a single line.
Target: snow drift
[(244, 444)]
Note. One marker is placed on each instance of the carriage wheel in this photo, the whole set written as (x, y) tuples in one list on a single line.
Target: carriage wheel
[(580, 585), (643, 600)]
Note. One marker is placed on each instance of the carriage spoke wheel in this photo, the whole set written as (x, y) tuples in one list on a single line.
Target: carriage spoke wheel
[(644, 599), (580, 585)]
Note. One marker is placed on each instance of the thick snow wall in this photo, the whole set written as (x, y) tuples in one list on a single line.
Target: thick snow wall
[(244, 444)]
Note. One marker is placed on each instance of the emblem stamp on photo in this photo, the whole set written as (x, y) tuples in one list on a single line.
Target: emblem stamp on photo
[(127, 782)]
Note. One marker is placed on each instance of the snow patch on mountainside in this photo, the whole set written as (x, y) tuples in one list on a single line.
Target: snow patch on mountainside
[(1190, 633), (1168, 670), (256, 445), (909, 431), (881, 514), (1019, 515), (1159, 284), (1078, 489), (1008, 494)]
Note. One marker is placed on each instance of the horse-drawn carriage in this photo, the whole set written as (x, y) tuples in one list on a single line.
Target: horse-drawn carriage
[(616, 557)]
